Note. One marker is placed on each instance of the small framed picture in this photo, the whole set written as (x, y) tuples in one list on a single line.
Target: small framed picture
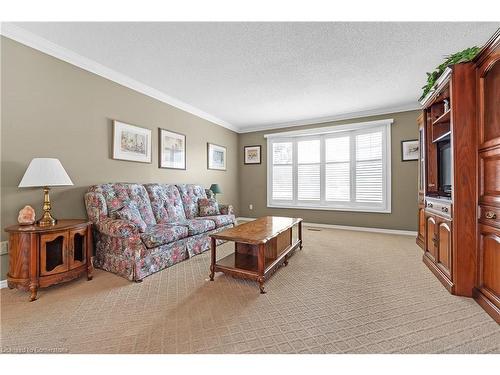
[(409, 150), (172, 149), (131, 142), (252, 154), (216, 157)]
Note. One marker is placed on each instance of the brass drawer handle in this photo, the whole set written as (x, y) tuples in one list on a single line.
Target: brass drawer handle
[(429, 205), (490, 215), (444, 209)]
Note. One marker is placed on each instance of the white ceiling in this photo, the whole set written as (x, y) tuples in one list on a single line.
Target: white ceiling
[(249, 76)]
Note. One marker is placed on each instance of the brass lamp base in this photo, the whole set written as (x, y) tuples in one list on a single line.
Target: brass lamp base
[(46, 219)]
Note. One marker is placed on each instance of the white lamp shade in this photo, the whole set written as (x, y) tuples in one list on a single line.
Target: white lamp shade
[(45, 172)]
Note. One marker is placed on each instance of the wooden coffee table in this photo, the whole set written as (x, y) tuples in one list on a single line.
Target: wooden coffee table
[(261, 246)]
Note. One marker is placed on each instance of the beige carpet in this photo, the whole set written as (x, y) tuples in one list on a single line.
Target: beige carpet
[(345, 292)]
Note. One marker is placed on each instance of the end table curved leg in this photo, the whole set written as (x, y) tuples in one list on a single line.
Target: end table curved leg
[(33, 292), (212, 273), (90, 269), (261, 285)]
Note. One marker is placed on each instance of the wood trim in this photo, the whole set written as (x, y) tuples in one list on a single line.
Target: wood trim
[(443, 278), (487, 305), (464, 172)]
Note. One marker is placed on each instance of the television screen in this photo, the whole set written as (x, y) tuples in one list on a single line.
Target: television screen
[(445, 167)]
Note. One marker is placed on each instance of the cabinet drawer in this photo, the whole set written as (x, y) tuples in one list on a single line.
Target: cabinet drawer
[(439, 207), (489, 215)]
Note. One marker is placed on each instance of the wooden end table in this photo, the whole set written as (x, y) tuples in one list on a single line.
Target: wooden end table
[(44, 256), (261, 247)]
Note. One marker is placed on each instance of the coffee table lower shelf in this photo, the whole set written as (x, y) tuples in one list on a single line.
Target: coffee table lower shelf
[(247, 265)]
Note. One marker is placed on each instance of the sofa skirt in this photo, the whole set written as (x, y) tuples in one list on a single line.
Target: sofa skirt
[(134, 264)]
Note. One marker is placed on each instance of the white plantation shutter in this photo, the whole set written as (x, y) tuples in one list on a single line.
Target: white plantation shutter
[(345, 167), (308, 170), (369, 176), (337, 169)]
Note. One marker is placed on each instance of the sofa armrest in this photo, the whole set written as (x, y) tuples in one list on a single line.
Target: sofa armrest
[(226, 209), (117, 228)]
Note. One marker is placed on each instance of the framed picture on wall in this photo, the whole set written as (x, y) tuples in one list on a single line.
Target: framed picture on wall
[(131, 142), (216, 157), (252, 154), (409, 150), (172, 149)]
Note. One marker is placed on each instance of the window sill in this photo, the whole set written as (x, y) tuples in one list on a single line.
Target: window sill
[(323, 208)]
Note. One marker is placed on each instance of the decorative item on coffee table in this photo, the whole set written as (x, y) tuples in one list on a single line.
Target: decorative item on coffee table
[(40, 256)]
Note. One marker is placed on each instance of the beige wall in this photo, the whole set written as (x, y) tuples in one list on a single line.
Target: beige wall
[(54, 109), (253, 180)]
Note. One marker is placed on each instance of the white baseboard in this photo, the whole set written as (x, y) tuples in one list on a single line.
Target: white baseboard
[(347, 227), (3, 284)]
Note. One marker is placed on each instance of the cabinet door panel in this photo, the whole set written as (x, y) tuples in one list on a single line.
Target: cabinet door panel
[(77, 247), (444, 247), (430, 236), (53, 253), (489, 262), (489, 176), (489, 103)]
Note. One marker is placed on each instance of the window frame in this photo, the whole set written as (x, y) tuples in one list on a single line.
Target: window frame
[(331, 132)]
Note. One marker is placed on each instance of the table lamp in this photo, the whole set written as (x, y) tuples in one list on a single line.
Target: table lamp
[(45, 172), (215, 189)]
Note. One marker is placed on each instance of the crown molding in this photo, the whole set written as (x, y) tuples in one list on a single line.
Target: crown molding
[(29, 39), (322, 120)]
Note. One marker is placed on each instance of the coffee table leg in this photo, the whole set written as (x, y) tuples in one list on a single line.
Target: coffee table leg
[(213, 246), (300, 234), (261, 268)]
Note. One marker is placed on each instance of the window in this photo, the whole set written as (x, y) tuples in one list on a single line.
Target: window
[(345, 167)]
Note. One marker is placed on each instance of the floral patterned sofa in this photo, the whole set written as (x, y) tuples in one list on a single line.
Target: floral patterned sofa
[(163, 229)]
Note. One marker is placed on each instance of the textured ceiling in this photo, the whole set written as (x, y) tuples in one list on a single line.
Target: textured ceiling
[(258, 75)]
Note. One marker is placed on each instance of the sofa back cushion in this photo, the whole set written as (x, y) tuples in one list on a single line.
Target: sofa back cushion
[(131, 213), (117, 195), (166, 203), (190, 194), (208, 207)]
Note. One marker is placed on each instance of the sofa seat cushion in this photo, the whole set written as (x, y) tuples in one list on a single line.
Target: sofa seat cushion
[(221, 220), (197, 226), (161, 234)]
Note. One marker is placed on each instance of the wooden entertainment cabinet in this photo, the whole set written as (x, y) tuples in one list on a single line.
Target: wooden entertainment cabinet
[(459, 178)]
